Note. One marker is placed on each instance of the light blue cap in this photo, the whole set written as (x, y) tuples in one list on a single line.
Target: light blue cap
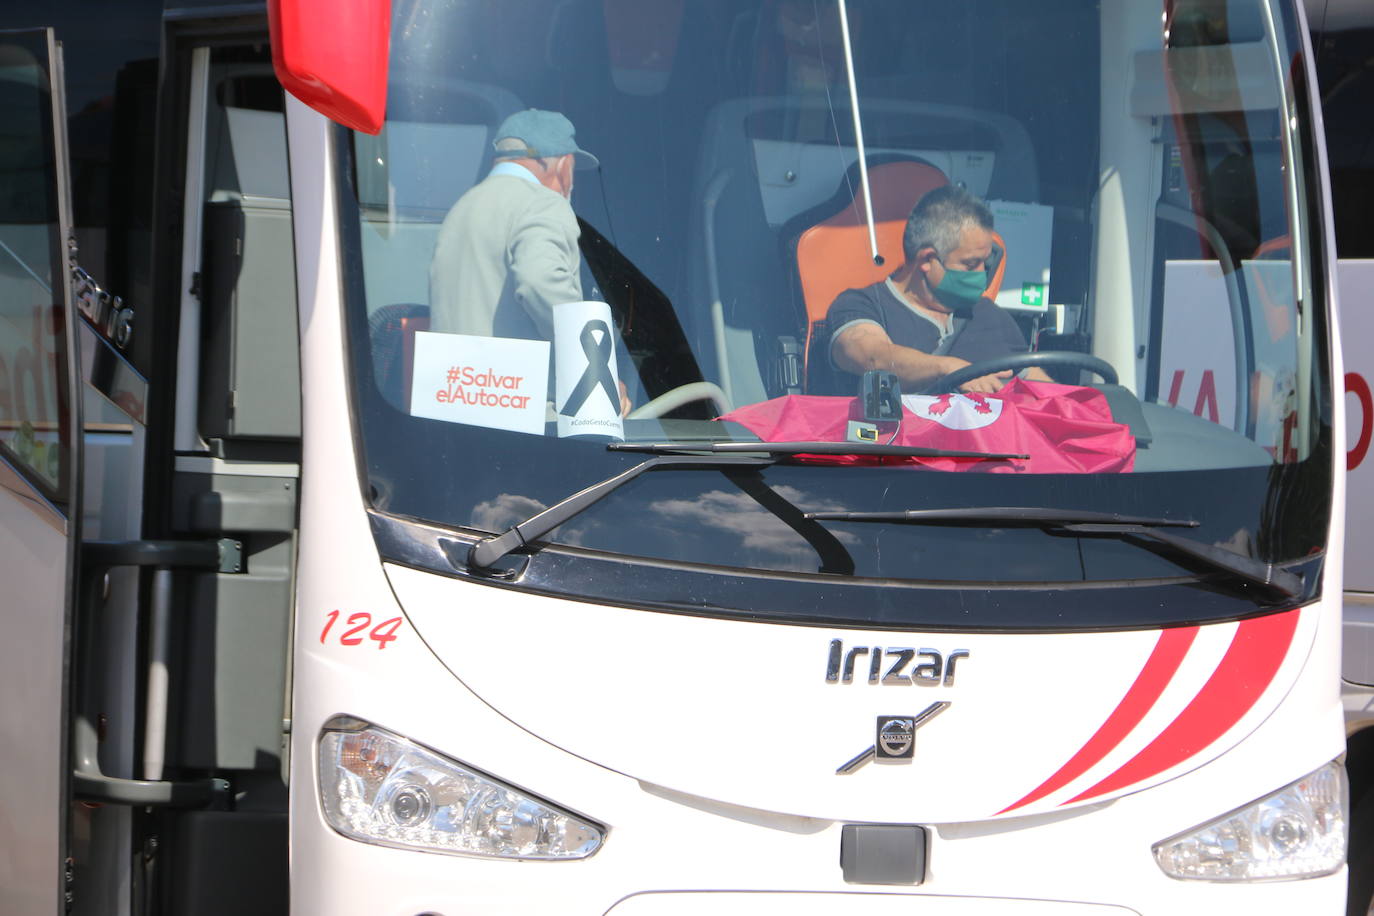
[(545, 134)]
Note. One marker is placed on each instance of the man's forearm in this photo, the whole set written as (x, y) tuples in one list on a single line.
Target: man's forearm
[(914, 368), (918, 369)]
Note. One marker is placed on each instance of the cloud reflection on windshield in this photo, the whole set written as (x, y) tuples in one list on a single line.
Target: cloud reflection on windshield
[(754, 535), (504, 511), (757, 529)]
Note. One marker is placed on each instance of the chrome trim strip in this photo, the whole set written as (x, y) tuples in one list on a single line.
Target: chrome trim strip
[(851, 765), (107, 371), (930, 712), (14, 482)]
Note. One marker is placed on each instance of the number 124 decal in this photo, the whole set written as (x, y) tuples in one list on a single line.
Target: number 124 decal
[(358, 625)]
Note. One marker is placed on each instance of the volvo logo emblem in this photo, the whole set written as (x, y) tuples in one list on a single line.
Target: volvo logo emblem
[(895, 739)]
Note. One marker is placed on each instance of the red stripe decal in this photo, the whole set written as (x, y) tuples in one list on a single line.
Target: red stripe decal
[(1139, 699), (1250, 663)]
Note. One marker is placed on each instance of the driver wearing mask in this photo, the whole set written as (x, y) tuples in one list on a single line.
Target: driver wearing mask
[(930, 316)]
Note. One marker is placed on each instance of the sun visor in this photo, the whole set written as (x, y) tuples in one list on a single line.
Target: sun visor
[(1204, 79)]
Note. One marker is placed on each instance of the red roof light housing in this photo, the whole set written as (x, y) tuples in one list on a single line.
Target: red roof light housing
[(333, 55)]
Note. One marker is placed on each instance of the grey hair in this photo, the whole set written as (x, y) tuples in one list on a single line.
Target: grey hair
[(939, 219), (510, 145)]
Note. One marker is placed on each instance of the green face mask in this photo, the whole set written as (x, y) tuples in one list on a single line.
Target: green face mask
[(958, 290)]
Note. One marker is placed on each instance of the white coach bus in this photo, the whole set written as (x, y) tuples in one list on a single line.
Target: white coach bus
[(316, 606)]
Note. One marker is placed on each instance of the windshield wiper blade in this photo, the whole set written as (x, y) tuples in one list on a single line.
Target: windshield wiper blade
[(870, 449), (1010, 515), (1249, 569), (492, 548)]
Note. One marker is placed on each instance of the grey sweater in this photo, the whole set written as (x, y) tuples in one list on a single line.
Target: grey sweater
[(505, 256)]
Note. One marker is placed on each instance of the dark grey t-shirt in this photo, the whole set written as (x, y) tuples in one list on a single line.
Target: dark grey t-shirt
[(986, 333)]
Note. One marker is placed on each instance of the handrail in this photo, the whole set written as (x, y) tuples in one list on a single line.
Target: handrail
[(683, 394), (89, 783), (1236, 299)]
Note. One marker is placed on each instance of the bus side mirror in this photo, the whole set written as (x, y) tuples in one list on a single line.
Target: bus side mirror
[(333, 56)]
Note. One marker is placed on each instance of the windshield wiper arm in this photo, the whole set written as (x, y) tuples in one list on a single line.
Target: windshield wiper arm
[(871, 449), (681, 455), (834, 556), (492, 548), (1102, 523)]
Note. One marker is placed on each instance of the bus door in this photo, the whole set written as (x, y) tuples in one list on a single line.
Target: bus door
[(39, 471), (228, 436)]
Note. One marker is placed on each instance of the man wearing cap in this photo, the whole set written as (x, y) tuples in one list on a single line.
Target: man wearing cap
[(507, 251)]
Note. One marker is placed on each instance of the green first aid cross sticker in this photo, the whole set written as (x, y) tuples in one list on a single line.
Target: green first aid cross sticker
[(1033, 294)]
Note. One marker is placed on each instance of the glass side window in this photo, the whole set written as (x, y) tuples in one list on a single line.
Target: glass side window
[(250, 362), (1224, 234), (1109, 246), (34, 434), (1345, 50)]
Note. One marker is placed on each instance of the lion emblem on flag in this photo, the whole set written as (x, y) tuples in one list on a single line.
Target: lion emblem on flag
[(955, 411)]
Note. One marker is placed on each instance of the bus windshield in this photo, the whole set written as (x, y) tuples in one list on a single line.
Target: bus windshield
[(1069, 242)]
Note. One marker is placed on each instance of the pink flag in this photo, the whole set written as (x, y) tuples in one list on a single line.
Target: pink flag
[(1065, 429)]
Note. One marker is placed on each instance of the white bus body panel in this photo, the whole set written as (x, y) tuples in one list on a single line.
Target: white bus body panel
[(33, 566), (708, 748), (662, 839), (661, 696)]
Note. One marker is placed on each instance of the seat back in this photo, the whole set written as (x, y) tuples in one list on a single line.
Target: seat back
[(392, 330), (834, 254)]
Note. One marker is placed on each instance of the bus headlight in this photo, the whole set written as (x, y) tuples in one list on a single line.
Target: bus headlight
[(380, 788), (1297, 832)]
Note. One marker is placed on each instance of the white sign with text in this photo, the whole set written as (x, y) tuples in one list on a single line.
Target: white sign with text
[(497, 382), (585, 387), (1197, 361), (1028, 230)]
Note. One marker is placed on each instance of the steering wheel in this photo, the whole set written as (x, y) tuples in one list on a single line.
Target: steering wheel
[(1046, 359), (683, 394)]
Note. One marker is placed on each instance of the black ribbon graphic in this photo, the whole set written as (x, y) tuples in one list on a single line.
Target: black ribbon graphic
[(598, 371)]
